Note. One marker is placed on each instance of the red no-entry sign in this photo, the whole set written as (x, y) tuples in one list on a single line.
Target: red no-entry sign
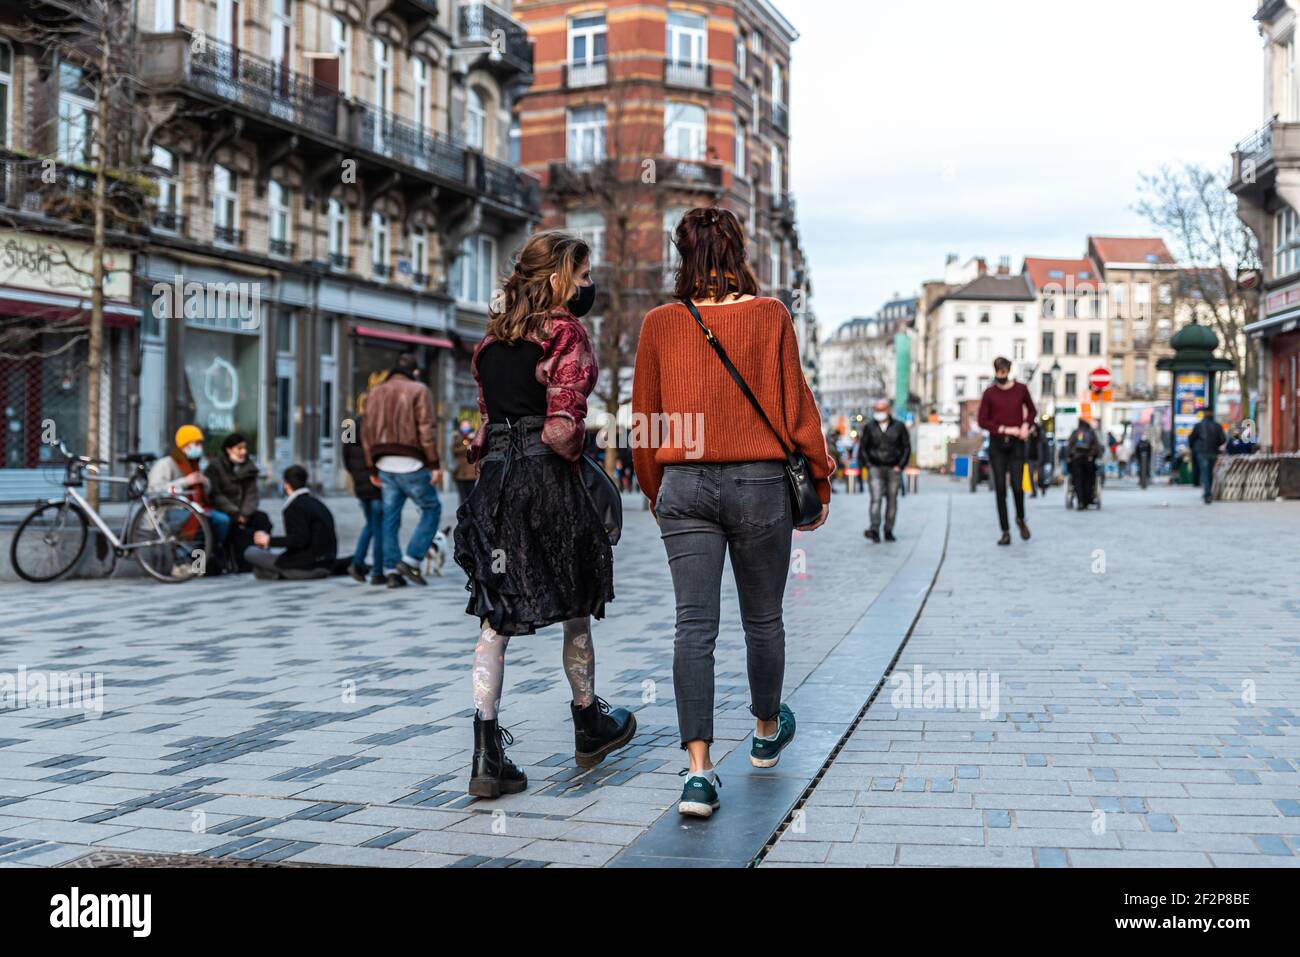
[(1099, 379)]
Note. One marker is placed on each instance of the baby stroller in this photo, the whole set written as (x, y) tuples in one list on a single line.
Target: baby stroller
[(1070, 492)]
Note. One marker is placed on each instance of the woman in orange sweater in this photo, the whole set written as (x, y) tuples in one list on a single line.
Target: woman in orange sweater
[(715, 474)]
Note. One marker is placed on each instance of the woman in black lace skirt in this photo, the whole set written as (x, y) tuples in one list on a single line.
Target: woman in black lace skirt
[(529, 536)]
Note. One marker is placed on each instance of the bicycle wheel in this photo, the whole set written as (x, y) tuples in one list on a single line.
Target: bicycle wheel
[(49, 542), (171, 538)]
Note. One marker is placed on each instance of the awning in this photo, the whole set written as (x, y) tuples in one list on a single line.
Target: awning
[(55, 307), (410, 338)]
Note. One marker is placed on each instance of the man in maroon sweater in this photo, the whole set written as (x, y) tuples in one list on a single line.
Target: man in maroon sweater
[(1006, 413)]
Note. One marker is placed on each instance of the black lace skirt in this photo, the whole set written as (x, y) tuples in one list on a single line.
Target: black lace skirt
[(530, 538)]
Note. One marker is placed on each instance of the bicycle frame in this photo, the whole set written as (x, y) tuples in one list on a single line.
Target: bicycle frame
[(70, 493)]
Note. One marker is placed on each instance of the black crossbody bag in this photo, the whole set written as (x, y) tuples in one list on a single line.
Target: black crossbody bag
[(805, 505)]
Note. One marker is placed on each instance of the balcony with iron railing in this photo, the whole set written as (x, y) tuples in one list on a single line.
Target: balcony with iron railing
[(168, 221), (507, 48), (579, 74), (781, 118), (69, 194), (228, 74), (389, 135), (227, 235), (340, 262), (690, 174), (692, 74), (282, 248), (506, 184)]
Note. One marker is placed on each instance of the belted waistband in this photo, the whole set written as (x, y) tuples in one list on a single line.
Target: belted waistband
[(518, 437)]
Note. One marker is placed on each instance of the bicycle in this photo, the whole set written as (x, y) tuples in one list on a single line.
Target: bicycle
[(168, 535)]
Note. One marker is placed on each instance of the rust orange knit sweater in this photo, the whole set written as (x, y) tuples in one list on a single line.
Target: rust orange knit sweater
[(684, 398)]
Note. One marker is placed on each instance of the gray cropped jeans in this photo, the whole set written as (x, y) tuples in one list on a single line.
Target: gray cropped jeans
[(704, 511)]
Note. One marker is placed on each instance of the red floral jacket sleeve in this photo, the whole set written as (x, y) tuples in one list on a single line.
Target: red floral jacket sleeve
[(568, 370)]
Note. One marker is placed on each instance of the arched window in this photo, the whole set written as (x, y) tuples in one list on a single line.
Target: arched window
[(476, 119), (6, 90)]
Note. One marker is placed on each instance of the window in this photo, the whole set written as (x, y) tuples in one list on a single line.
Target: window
[(278, 213), (383, 74), (961, 316), (1049, 343), (1071, 343), (742, 61), (341, 44), (283, 407), (589, 226), (475, 119), (958, 347), (776, 271), (588, 50), (326, 411), (671, 257), (338, 232), (1141, 294), (1290, 98), (756, 43), (478, 258), (684, 130), (167, 207), (283, 332), (1140, 373), (419, 256), (1020, 317), (1117, 331), (985, 350), (225, 205), (586, 136), (742, 140), (984, 317), (959, 386), (778, 171), (1072, 308), (1119, 296), (1049, 306), (1094, 343), (164, 16), (420, 91), (1166, 294), (686, 38), (778, 84), (515, 139), (6, 90), (985, 382), (1286, 235), (281, 41), (379, 244), (1018, 348), (1071, 383), (76, 116), (1046, 384)]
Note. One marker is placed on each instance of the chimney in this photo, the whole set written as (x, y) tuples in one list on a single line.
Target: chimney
[(951, 260), (1004, 266), (981, 266)]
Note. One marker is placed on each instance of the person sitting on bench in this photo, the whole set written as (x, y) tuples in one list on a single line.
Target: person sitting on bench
[(309, 547)]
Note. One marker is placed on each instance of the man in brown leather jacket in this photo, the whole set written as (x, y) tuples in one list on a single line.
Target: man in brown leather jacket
[(399, 436)]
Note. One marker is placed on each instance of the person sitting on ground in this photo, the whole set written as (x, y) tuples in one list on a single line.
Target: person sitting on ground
[(178, 473), (232, 489), (308, 548)]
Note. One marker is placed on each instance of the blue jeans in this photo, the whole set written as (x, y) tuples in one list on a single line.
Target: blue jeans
[(220, 523), (1205, 463), (398, 487), (373, 530)]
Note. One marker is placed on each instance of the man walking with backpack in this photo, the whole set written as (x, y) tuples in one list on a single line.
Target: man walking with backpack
[(399, 436), (1206, 440), (884, 450)]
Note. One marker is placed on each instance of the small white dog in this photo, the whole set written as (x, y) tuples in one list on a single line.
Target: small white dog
[(438, 552)]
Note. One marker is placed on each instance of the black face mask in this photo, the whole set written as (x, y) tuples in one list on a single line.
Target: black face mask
[(1000, 380), (582, 300)]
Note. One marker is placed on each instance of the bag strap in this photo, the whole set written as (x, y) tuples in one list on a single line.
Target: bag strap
[(735, 375)]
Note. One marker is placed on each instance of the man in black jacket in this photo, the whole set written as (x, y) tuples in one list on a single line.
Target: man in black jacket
[(1206, 440), (308, 543), (884, 449)]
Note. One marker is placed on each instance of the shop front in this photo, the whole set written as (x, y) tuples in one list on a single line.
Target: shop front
[(45, 312), (1278, 339)]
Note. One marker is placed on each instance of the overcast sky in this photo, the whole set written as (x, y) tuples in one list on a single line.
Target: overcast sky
[(1002, 128)]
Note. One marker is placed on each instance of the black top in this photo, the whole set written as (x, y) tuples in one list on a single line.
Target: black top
[(308, 540), (354, 460), (508, 375)]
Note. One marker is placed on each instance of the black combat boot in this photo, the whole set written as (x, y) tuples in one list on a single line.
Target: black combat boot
[(493, 774), (597, 731)]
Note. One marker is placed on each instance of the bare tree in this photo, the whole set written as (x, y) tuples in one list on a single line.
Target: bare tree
[(81, 171), (1213, 246)]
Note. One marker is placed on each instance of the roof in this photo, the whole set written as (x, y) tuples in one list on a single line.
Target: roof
[(995, 288), (1150, 250), (1059, 272)]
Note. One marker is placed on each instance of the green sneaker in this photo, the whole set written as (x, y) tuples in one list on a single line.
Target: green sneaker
[(765, 752), (699, 797)]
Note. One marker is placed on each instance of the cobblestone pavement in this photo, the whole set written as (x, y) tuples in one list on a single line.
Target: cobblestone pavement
[(228, 729), (1148, 659)]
